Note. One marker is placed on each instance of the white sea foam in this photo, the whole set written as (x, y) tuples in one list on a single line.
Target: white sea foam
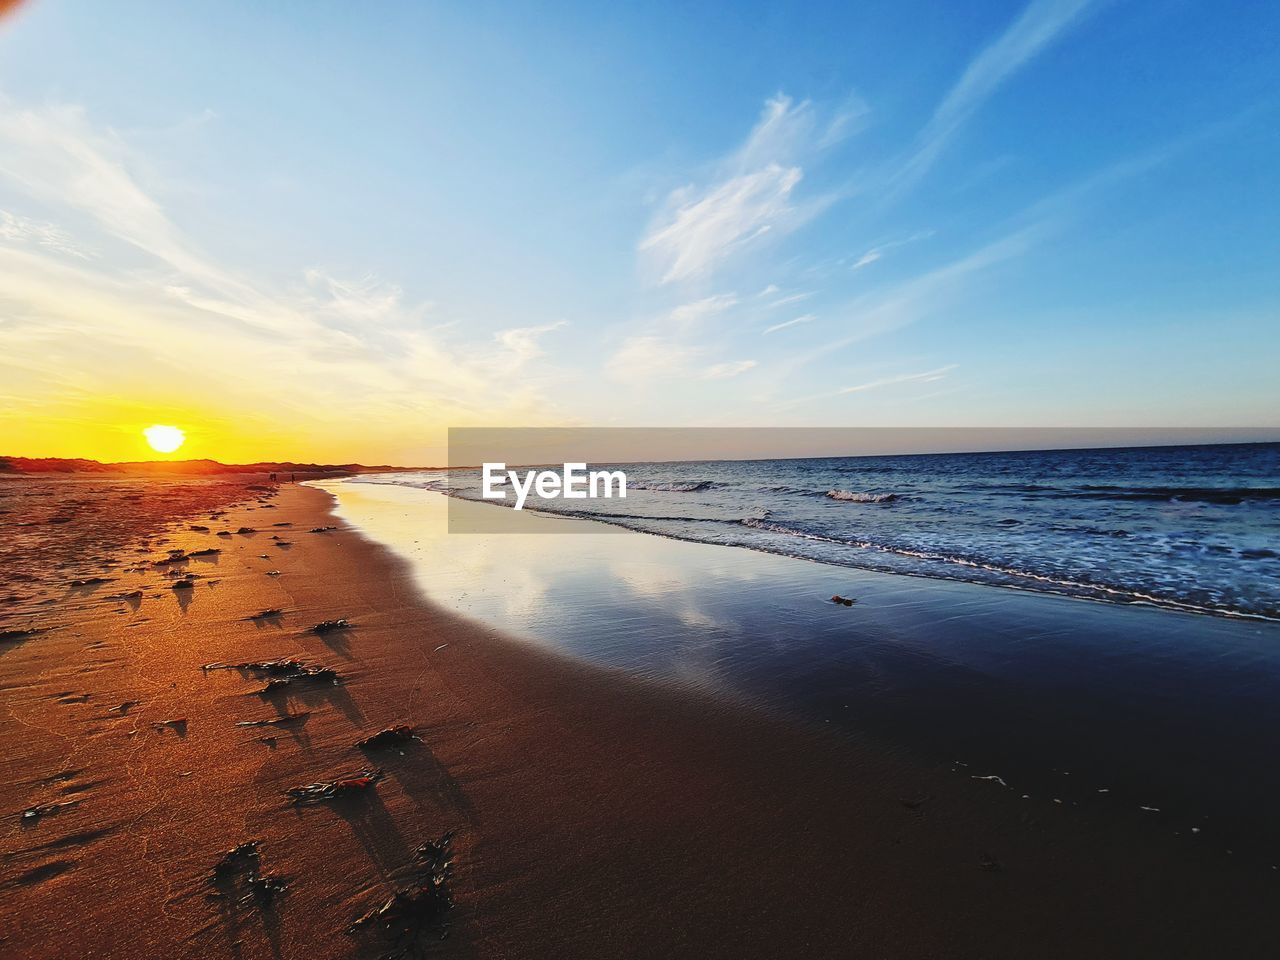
[(853, 496)]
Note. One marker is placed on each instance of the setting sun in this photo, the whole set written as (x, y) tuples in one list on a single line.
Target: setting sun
[(164, 439)]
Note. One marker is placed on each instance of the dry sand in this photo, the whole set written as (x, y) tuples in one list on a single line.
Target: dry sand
[(597, 816)]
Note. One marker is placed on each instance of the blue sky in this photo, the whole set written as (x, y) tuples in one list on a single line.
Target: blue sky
[(341, 228)]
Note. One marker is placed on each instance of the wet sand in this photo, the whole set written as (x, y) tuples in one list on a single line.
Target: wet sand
[(1115, 710), (596, 814)]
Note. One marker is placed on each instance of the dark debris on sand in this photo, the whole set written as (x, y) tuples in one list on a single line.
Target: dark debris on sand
[(282, 673), (32, 814), (9, 636), (269, 614), (347, 785), (239, 877), (328, 626), (416, 914), (989, 863), (304, 675), (288, 718), (399, 736)]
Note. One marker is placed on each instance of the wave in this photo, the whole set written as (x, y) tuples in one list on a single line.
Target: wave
[(873, 552), (674, 486), (1083, 588), (1226, 496), (850, 496)]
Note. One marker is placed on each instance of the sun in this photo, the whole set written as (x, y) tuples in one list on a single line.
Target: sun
[(164, 439)]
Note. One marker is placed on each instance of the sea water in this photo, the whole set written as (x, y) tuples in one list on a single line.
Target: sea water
[(1194, 528)]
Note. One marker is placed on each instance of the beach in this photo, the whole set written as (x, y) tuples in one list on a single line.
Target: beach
[(596, 809)]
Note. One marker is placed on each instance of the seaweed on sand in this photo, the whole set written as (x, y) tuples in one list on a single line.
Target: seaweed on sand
[(269, 614), (288, 718), (281, 673), (9, 636), (418, 913), (347, 785), (398, 736), (238, 876), (304, 675)]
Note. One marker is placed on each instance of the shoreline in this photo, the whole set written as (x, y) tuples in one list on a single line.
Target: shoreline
[(597, 814), (1003, 577), (1083, 704)]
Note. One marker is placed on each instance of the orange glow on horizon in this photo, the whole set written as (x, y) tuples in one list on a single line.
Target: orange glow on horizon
[(112, 430)]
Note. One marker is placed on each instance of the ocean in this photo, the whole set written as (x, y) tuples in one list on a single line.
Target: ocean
[(1158, 706), (1193, 528)]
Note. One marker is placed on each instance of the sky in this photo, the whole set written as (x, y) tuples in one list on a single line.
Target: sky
[(329, 231)]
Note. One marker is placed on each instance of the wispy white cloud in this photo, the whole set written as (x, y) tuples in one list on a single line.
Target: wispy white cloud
[(751, 194), (877, 252), (790, 298), (520, 345), (868, 258), (151, 315), (807, 318), (896, 306), (689, 314), (927, 376), (723, 371), (907, 301), (19, 229), (58, 157), (1040, 24), (644, 359), (648, 359), (924, 376), (706, 228)]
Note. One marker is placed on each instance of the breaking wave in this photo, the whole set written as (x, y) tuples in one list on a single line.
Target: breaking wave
[(675, 486), (851, 496)]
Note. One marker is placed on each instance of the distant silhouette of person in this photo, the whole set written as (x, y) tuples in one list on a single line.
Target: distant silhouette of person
[(293, 478)]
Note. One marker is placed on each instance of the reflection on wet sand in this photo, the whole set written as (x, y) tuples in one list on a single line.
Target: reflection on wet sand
[(1079, 701)]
